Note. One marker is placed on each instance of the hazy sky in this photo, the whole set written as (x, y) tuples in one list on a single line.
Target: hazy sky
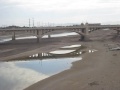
[(18, 12)]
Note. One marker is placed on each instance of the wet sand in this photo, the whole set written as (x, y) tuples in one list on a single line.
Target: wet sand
[(96, 71)]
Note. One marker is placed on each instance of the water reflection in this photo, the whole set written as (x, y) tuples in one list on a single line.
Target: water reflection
[(48, 66), (71, 46), (61, 35), (64, 53), (24, 71), (13, 77), (5, 40), (61, 51), (92, 50)]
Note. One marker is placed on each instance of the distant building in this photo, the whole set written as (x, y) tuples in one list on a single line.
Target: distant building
[(94, 24), (13, 26)]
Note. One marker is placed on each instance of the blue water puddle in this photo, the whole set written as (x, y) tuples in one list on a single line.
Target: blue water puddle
[(48, 67), (17, 75)]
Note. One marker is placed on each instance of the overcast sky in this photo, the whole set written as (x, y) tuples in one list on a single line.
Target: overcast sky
[(18, 12)]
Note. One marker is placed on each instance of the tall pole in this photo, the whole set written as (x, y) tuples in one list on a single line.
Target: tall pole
[(33, 22), (29, 22)]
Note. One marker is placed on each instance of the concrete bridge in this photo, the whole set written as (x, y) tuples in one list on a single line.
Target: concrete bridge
[(83, 30)]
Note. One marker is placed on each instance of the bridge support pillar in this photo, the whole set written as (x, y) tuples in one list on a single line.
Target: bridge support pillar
[(38, 36), (38, 39), (49, 36), (13, 36), (82, 37), (86, 29), (118, 32)]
